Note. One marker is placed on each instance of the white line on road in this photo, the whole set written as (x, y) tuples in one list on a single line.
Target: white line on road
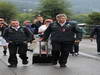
[(90, 56)]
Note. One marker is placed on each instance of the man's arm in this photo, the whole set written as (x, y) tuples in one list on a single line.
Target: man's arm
[(77, 32), (6, 35), (93, 33), (47, 33), (29, 35), (78, 35)]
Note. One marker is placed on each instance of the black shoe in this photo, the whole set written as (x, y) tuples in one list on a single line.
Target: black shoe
[(24, 62), (62, 65), (4, 52), (72, 53), (98, 53), (76, 54), (12, 66), (5, 55)]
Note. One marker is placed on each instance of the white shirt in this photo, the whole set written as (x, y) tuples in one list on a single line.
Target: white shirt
[(16, 28), (42, 28), (62, 24)]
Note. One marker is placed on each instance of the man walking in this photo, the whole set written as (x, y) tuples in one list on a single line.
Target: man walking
[(62, 38), (17, 37), (96, 32)]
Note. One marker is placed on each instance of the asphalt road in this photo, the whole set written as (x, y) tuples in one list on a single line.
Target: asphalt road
[(87, 63)]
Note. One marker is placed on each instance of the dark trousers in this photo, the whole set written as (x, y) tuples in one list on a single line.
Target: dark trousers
[(60, 51), (98, 45), (20, 48), (76, 47)]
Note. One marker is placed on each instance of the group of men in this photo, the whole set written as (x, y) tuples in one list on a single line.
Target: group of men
[(62, 34)]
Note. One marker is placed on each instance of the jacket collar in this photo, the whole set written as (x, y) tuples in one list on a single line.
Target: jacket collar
[(66, 23), (15, 28)]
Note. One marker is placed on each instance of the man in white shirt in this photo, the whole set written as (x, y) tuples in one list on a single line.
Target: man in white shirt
[(42, 29)]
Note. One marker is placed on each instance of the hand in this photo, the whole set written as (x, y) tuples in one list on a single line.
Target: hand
[(77, 41), (41, 39), (34, 41)]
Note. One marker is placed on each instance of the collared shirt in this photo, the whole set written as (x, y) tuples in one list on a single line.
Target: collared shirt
[(16, 28), (62, 24), (42, 29)]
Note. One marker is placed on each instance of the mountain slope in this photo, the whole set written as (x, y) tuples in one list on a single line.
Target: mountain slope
[(83, 6), (78, 6)]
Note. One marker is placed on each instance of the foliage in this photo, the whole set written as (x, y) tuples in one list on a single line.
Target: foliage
[(81, 18), (94, 18), (24, 16), (7, 10), (50, 8)]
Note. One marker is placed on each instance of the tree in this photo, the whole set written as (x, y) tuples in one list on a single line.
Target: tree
[(8, 11), (50, 8), (25, 16), (81, 18), (94, 18)]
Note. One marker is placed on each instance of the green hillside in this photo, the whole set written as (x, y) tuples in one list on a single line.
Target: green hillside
[(78, 6)]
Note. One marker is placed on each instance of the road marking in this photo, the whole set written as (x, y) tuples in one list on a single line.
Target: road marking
[(90, 56)]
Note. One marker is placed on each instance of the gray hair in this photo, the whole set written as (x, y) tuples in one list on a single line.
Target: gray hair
[(61, 15)]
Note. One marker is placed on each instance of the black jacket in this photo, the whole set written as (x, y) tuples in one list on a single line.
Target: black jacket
[(96, 32), (62, 33), (2, 29), (21, 35), (36, 26)]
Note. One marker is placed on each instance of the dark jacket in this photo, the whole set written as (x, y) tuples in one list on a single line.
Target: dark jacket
[(36, 26), (21, 35), (62, 33), (96, 32), (2, 29), (31, 30)]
